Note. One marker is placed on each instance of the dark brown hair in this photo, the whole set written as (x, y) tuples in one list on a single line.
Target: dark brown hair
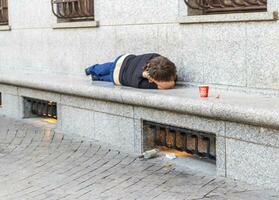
[(161, 69)]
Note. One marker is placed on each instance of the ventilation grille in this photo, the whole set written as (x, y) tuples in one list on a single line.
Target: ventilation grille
[(39, 108), (197, 143)]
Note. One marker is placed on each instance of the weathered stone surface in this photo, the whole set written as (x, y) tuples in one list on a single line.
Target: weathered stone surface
[(98, 106), (220, 64), (190, 63), (252, 162), (11, 106), (166, 11), (77, 121), (37, 94), (115, 130), (221, 156), (8, 89), (39, 18), (262, 45), (253, 134)]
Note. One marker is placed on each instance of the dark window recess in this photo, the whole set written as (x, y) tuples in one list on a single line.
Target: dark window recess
[(39, 108), (199, 144), (225, 6), (3, 12), (0, 99), (73, 10)]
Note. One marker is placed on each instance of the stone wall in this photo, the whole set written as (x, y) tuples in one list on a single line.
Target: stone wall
[(237, 54)]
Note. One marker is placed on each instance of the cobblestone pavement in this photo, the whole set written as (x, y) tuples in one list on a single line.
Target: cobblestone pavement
[(38, 163)]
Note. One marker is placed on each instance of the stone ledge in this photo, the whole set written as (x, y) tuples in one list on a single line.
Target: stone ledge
[(68, 25), (222, 18), (5, 28), (234, 107)]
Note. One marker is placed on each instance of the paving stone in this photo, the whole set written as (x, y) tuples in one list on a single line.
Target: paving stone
[(39, 163)]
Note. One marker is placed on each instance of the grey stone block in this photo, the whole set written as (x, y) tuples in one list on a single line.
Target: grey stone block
[(263, 69), (136, 40), (272, 5), (138, 136), (38, 94), (8, 89), (254, 134), (221, 156), (226, 64), (11, 106), (180, 120), (115, 130), (186, 41), (77, 121), (40, 17), (166, 11), (252, 163), (97, 105)]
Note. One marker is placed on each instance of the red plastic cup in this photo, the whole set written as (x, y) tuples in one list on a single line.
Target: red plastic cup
[(203, 89)]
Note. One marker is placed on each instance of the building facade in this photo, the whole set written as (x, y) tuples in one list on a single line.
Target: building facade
[(229, 44)]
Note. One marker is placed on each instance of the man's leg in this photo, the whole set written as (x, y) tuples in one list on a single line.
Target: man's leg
[(100, 69), (106, 78)]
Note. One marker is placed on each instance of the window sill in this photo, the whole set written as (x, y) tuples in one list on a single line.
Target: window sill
[(68, 25), (223, 18), (5, 28)]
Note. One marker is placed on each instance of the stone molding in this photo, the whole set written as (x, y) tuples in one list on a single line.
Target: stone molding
[(68, 25), (235, 17), (5, 28)]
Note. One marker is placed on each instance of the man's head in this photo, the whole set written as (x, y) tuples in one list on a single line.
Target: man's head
[(162, 72), (161, 69)]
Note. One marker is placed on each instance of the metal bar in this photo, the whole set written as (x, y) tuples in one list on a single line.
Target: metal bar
[(207, 140), (185, 142), (174, 138), (164, 135)]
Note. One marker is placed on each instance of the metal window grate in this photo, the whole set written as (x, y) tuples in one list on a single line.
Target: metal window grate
[(73, 9), (226, 6), (200, 144), (3, 12), (39, 108)]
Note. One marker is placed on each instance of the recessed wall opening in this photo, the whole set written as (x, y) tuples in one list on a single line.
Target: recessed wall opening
[(0, 99), (34, 108), (197, 144)]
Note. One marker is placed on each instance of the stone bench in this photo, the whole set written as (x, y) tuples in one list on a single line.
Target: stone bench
[(246, 126)]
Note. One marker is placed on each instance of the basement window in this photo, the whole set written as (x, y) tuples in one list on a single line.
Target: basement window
[(73, 10), (206, 7), (4, 12), (39, 108), (201, 145)]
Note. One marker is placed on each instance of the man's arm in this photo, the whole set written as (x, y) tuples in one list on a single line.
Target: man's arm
[(145, 84)]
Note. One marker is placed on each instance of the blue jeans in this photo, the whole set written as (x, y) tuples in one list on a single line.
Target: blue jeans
[(103, 72)]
